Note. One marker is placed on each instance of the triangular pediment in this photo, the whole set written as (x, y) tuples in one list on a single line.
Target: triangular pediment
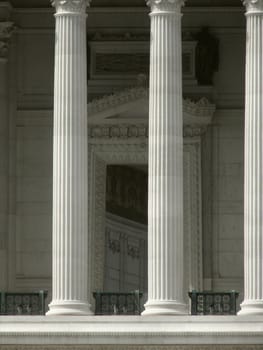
[(132, 106)]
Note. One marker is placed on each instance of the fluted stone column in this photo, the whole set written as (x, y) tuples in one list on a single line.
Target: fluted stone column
[(70, 162), (253, 190), (165, 201)]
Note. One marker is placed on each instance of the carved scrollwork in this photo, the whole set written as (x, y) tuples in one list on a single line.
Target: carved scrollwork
[(165, 5), (70, 6), (133, 251), (114, 246), (253, 5)]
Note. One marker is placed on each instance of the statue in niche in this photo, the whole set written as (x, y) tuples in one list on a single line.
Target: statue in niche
[(207, 56)]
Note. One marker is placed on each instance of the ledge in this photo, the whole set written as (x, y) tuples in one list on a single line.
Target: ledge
[(47, 330)]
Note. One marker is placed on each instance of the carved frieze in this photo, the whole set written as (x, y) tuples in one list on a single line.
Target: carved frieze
[(111, 132), (118, 131), (70, 6), (130, 63)]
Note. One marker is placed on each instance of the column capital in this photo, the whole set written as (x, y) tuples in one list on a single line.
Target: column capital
[(165, 5), (6, 30), (70, 6), (253, 6)]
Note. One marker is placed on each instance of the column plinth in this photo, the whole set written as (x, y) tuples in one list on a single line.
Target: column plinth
[(165, 201), (253, 186), (70, 211)]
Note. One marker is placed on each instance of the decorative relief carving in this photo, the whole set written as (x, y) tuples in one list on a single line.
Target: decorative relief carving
[(194, 130), (253, 5), (117, 99), (200, 108), (70, 6), (133, 251), (165, 5), (140, 132), (102, 154), (118, 131), (119, 63), (6, 30), (114, 246)]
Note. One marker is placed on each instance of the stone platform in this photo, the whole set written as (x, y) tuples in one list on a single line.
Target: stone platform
[(131, 332)]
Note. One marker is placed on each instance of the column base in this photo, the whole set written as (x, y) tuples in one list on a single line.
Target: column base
[(251, 307), (164, 307), (69, 307)]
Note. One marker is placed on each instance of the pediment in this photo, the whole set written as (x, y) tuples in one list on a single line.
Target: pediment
[(130, 106)]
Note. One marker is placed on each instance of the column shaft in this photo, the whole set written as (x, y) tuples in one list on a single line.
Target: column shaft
[(253, 187), (70, 212), (165, 202)]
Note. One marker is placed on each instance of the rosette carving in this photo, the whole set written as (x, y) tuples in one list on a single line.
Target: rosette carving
[(70, 6), (253, 5), (165, 5)]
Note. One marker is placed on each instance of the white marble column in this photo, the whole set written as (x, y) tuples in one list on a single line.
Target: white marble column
[(165, 201), (70, 212), (6, 29), (253, 188)]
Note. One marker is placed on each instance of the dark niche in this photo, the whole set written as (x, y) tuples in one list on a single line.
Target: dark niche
[(126, 192), (207, 56)]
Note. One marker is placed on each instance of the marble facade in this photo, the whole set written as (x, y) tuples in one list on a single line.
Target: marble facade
[(205, 118)]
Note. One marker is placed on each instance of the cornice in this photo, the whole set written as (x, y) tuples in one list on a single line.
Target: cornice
[(116, 99), (165, 6), (253, 6), (70, 6), (201, 108)]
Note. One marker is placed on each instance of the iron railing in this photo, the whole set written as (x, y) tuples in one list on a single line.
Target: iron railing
[(15, 303), (213, 303), (108, 303)]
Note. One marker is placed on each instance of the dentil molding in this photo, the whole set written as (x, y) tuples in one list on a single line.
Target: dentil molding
[(70, 6), (163, 6), (253, 6)]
